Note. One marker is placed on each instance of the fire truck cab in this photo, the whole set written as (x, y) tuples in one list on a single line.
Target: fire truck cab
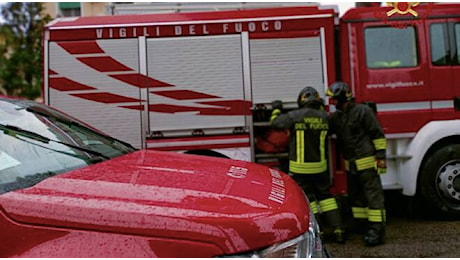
[(406, 65)]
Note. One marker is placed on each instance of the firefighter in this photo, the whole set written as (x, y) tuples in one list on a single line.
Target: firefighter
[(308, 149), (363, 145)]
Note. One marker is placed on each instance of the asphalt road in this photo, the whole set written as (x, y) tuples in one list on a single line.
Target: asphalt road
[(407, 235)]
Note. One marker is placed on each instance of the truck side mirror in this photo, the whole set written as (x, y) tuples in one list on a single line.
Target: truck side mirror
[(457, 103)]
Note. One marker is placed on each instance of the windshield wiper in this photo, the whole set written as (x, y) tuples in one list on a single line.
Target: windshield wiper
[(39, 111), (14, 130)]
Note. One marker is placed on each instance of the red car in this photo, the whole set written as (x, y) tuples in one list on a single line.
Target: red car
[(68, 190)]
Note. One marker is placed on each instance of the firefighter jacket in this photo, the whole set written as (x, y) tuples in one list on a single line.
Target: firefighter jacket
[(359, 135), (307, 140)]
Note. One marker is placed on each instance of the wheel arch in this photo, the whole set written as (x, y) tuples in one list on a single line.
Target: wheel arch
[(429, 138)]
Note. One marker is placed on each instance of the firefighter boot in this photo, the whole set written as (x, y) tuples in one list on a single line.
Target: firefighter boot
[(330, 209), (340, 236), (375, 235), (335, 220), (359, 226)]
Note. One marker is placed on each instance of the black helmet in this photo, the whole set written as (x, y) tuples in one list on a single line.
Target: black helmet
[(340, 91), (307, 95)]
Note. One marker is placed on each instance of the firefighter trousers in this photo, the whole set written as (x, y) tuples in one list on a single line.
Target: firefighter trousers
[(317, 188), (367, 198)]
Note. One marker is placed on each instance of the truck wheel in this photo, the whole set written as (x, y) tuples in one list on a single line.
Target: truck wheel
[(439, 182)]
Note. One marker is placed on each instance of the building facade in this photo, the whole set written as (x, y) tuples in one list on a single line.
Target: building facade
[(70, 9)]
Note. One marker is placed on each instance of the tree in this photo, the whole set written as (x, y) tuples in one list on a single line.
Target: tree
[(21, 48)]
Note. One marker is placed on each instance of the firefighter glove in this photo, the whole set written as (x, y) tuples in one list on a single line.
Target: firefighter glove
[(381, 166), (277, 104)]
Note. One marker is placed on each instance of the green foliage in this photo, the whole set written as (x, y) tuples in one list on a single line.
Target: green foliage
[(21, 48)]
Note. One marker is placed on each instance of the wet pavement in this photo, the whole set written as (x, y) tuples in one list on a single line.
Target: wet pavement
[(407, 235)]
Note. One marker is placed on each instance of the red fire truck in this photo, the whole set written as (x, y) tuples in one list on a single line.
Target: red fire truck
[(202, 82)]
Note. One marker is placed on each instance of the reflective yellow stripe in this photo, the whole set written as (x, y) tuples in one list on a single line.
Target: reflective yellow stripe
[(300, 137), (314, 207), (328, 205), (299, 165), (310, 167), (365, 163), (359, 212), (380, 144), (275, 114), (347, 166), (322, 144), (376, 215)]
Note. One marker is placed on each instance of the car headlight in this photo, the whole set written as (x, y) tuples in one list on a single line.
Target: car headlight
[(308, 245)]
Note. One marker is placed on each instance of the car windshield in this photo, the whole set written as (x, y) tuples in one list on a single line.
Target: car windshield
[(37, 142)]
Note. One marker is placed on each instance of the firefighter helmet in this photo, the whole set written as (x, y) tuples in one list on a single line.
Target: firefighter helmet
[(307, 95), (340, 91)]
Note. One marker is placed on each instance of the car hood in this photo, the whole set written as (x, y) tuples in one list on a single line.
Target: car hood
[(234, 205)]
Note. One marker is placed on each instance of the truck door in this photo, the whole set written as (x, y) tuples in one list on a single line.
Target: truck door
[(442, 69), (454, 35), (390, 70), (95, 81)]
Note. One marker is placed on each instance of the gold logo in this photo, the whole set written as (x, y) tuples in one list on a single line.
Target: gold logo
[(402, 8)]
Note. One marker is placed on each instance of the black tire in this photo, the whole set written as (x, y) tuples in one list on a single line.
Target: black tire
[(439, 183)]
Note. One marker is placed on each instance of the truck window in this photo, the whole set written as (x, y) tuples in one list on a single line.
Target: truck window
[(390, 47), (457, 42), (439, 45)]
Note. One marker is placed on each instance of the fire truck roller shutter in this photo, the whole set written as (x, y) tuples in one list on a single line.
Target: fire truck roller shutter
[(205, 77), (98, 76), (281, 66)]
